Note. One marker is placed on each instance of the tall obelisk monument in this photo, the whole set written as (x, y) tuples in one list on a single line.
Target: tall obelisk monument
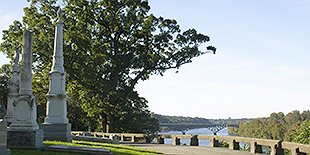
[(56, 125), (24, 131)]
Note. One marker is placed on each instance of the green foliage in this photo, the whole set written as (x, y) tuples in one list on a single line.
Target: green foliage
[(109, 46), (302, 134), (277, 126), (246, 147), (195, 120), (4, 79), (223, 144), (181, 119)]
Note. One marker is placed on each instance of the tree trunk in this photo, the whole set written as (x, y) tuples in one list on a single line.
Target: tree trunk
[(111, 124), (104, 122)]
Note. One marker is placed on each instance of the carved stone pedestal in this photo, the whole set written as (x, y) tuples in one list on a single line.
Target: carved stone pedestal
[(25, 138), (4, 151), (3, 138), (58, 132)]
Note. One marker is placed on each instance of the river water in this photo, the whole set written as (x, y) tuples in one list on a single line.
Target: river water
[(201, 131), (205, 131)]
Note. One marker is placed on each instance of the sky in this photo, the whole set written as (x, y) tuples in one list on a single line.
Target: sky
[(262, 63)]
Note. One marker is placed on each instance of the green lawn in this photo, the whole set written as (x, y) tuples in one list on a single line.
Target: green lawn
[(114, 148), (37, 152)]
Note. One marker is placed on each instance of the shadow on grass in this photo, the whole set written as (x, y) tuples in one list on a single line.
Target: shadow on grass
[(38, 152), (114, 148), (108, 146)]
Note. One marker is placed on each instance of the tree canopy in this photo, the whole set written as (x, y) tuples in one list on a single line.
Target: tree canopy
[(109, 46), (302, 134), (290, 127)]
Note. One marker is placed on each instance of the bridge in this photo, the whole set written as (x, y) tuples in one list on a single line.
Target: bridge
[(215, 128)]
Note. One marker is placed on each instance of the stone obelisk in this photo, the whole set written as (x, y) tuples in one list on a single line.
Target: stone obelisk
[(13, 87), (56, 125), (24, 131)]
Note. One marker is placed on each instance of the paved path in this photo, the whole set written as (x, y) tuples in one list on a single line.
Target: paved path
[(190, 150)]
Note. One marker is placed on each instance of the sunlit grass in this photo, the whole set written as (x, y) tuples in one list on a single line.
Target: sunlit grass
[(37, 152), (114, 148)]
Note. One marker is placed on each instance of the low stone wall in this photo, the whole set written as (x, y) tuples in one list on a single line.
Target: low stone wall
[(277, 146), (122, 137)]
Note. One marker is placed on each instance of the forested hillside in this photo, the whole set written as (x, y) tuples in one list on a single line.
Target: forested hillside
[(195, 120), (293, 126)]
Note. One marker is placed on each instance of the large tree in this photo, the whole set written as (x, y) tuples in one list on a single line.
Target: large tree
[(110, 45)]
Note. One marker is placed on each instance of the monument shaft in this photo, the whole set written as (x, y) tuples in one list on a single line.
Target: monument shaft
[(26, 65), (57, 104)]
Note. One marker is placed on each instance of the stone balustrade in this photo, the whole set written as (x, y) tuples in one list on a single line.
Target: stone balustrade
[(277, 147), (124, 137)]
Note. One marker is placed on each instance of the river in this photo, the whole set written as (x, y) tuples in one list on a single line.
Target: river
[(205, 131), (201, 131)]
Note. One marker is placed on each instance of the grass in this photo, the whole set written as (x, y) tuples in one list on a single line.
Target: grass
[(114, 148), (37, 152)]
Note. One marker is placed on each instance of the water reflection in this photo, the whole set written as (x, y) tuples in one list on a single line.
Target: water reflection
[(201, 131)]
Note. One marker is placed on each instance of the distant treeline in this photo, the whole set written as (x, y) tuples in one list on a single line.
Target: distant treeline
[(293, 126), (195, 120)]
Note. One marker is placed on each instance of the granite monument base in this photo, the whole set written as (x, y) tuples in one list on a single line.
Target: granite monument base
[(4, 150), (3, 138), (25, 139), (58, 132)]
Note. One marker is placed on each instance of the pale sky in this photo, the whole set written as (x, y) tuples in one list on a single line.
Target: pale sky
[(262, 63)]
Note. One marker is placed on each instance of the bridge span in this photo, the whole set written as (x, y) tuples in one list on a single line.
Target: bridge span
[(215, 128)]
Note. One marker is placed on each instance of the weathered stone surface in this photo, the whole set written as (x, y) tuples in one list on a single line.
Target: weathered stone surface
[(255, 148), (234, 145), (194, 140), (59, 132), (25, 108), (25, 139), (26, 65), (5, 151), (24, 131), (57, 102), (214, 143), (176, 141), (3, 138), (13, 87), (3, 132)]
